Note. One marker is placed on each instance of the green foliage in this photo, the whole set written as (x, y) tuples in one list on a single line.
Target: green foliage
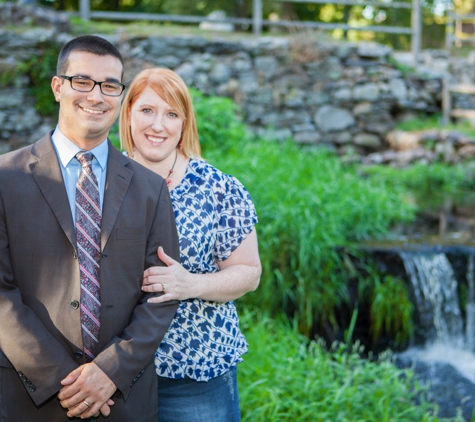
[(114, 136), (8, 77), (81, 27), (40, 70), (287, 378), (218, 125), (391, 309), (403, 68), (308, 203), (421, 177), (432, 122)]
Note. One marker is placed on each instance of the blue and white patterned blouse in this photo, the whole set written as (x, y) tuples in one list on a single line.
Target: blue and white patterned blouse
[(213, 213)]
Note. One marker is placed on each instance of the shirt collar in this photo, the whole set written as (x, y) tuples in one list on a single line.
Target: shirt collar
[(67, 150)]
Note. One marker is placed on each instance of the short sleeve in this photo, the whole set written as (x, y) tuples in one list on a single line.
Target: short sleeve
[(236, 216)]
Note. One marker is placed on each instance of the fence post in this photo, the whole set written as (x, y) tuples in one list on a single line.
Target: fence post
[(446, 101), (416, 24), (85, 9), (449, 30), (257, 17)]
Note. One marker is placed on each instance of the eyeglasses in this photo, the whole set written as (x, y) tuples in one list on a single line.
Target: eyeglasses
[(78, 83)]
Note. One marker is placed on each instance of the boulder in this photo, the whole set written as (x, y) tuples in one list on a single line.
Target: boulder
[(331, 119), (399, 140)]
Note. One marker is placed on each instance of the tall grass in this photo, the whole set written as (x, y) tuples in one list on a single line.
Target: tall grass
[(308, 203), (287, 378), (421, 177)]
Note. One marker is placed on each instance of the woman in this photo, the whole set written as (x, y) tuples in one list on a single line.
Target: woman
[(215, 217)]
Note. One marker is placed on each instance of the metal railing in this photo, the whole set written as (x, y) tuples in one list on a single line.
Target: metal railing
[(454, 34), (257, 22)]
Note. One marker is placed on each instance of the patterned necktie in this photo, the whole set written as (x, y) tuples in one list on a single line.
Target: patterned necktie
[(88, 235)]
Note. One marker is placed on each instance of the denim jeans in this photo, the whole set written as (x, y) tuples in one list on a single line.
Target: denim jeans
[(187, 400)]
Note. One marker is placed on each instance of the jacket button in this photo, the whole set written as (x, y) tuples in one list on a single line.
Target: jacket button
[(78, 355), (32, 388), (75, 255), (75, 304)]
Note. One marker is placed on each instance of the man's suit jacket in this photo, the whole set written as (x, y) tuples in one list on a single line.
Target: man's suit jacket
[(40, 328)]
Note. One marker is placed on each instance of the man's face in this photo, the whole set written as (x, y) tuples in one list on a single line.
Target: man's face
[(86, 117)]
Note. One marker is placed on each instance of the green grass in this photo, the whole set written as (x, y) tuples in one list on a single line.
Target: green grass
[(286, 377), (432, 122), (308, 203)]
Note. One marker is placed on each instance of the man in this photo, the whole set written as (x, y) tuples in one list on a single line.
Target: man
[(79, 223)]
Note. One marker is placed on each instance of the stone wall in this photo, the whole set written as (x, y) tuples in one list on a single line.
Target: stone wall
[(343, 96)]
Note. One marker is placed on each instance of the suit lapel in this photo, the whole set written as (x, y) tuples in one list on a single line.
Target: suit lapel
[(45, 169), (117, 182)]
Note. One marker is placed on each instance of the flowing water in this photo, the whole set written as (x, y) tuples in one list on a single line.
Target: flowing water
[(448, 338)]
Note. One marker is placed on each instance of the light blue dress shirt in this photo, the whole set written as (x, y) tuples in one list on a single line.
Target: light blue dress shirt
[(71, 168)]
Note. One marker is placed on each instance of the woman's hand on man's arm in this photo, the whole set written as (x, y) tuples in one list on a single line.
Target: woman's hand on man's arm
[(239, 274)]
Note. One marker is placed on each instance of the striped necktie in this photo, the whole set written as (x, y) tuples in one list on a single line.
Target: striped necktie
[(88, 236)]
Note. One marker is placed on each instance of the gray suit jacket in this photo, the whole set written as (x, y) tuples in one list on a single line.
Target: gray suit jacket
[(40, 329)]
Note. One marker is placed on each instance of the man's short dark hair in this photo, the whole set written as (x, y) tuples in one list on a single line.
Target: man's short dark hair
[(89, 44)]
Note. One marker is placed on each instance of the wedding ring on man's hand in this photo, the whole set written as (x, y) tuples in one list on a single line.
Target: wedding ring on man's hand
[(163, 287), (86, 403)]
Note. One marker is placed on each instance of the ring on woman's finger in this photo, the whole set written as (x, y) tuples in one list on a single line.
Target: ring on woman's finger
[(163, 287), (86, 403)]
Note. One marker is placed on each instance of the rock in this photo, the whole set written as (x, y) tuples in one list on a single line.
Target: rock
[(263, 96), (373, 50), (346, 50), (445, 150), (187, 72), (398, 88), (404, 158), (222, 47), (329, 118), (295, 98), (307, 137), (171, 62), (379, 127), (248, 82), (446, 386), (285, 118), (266, 45), (10, 98), (343, 94), (402, 141), (374, 158), (266, 65), (466, 152), (363, 108), (241, 63), (339, 138), (220, 73), (366, 92), (216, 16), (317, 98), (306, 127), (367, 140)]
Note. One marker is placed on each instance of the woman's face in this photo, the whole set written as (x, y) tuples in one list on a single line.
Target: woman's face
[(156, 128)]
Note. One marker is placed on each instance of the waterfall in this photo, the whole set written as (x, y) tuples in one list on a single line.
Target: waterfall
[(470, 307), (435, 290), (440, 318)]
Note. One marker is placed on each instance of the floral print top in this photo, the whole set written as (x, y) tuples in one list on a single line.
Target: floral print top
[(213, 213)]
